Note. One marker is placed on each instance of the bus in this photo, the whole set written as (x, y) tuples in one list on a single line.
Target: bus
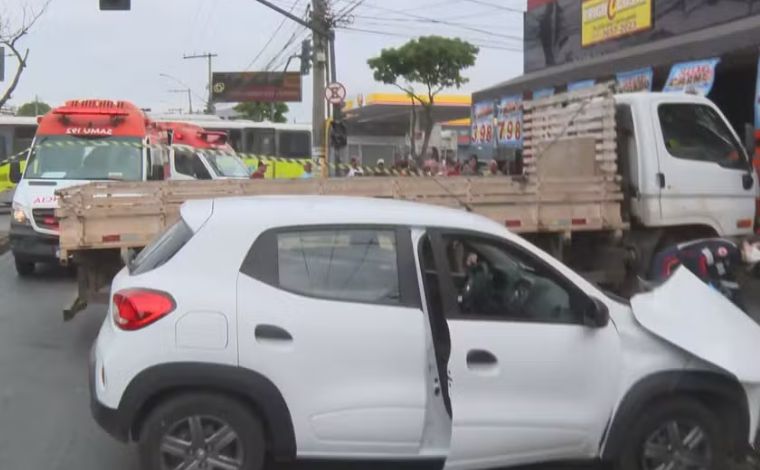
[(16, 135), (253, 140)]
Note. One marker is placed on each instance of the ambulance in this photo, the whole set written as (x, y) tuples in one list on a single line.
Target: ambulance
[(199, 154), (79, 142)]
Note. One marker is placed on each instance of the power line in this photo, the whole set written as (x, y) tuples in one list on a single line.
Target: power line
[(271, 38), (389, 33), (425, 19), (488, 4)]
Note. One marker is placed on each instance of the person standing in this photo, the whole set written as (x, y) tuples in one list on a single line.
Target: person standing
[(307, 171), (472, 168), (355, 169)]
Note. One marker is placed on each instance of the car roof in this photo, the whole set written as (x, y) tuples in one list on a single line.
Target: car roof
[(285, 211)]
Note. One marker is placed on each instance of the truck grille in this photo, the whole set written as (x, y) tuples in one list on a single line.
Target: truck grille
[(45, 218)]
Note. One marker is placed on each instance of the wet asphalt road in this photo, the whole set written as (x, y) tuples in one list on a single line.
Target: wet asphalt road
[(45, 420), (44, 402)]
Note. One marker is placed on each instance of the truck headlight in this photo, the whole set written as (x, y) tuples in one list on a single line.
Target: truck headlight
[(19, 215)]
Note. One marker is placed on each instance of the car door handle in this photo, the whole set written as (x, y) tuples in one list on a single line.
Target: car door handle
[(272, 333), (480, 358)]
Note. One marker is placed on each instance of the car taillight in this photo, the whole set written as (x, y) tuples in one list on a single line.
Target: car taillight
[(137, 308)]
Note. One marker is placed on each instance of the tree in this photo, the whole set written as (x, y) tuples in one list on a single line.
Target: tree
[(11, 32), (33, 108), (259, 111), (434, 62)]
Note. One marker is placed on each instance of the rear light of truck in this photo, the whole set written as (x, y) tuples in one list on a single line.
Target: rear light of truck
[(134, 309)]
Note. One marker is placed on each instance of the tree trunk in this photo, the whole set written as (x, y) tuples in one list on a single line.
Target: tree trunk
[(429, 124), (14, 83), (413, 132)]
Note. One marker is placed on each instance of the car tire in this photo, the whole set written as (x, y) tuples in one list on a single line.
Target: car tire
[(677, 430), (203, 428), (24, 268)]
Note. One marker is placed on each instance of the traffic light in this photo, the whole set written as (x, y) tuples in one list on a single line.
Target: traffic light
[(306, 57), (115, 5), (338, 135)]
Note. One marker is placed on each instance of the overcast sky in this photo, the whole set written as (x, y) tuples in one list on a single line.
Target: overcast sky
[(78, 51)]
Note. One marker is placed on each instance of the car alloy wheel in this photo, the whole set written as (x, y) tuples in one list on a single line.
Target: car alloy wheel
[(201, 443), (677, 445)]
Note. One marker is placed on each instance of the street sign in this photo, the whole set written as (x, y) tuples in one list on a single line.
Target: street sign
[(335, 93), (231, 87)]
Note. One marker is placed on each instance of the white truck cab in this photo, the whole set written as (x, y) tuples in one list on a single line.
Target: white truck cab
[(684, 164)]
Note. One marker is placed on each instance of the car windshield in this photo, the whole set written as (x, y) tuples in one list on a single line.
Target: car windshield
[(227, 165), (73, 158)]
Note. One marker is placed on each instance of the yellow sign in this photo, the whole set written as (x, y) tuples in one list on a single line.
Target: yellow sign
[(603, 20)]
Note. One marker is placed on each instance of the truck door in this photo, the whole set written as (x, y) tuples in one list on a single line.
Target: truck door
[(529, 380), (703, 167)]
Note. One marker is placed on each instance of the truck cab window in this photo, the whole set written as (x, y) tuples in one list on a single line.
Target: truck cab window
[(697, 132)]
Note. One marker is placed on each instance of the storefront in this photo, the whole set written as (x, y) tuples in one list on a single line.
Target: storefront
[(703, 46)]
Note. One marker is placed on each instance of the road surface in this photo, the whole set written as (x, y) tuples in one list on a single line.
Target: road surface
[(45, 420), (44, 401)]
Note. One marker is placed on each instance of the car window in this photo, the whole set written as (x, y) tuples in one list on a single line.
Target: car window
[(497, 281), (188, 163), (351, 265), (162, 248), (697, 132)]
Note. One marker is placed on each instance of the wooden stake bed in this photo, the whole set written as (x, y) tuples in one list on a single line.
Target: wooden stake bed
[(571, 183)]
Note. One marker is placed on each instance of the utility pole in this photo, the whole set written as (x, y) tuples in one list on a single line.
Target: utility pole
[(318, 122), (189, 97), (209, 56)]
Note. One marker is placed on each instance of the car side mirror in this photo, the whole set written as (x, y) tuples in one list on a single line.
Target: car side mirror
[(747, 181), (14, 171), (596, 314)]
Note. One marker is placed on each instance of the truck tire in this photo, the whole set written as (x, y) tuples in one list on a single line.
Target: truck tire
[(24, 268), (202, 430), (675, 433)]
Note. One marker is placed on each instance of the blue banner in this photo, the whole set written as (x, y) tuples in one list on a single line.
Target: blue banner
[(575, 86), (757, 98), (482, 123), (635, 80), (697, 76), (543, 93), (509, 121)]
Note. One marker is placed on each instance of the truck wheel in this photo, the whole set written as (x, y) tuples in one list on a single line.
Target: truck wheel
[(676, 433), (203, 431), (24, 268)]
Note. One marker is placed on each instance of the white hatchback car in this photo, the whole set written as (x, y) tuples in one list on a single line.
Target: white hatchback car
[(376, 332)]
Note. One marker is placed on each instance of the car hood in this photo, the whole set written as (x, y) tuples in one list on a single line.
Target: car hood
[(697, 318)]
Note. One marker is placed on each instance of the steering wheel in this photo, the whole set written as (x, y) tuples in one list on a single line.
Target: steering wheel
[(471, 290), (520, 293)]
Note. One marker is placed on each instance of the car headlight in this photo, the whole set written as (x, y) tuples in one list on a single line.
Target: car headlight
[(19, 215)]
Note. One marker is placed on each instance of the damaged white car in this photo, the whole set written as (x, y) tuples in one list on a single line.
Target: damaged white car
[(376, 332)]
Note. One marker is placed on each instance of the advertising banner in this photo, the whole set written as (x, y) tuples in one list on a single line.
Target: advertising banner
[(697, 76), (482, 123), (635, 80), (234, 87), (602, 20), (509, 121), (543, 93), (575, 86), (757, 98)]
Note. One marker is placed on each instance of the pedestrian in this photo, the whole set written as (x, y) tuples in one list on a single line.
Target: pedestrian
[(260, 173), (380, 169), (453, 168), (493, 168), (472, 168), (432, 166), (355, 169), (307, 171)]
